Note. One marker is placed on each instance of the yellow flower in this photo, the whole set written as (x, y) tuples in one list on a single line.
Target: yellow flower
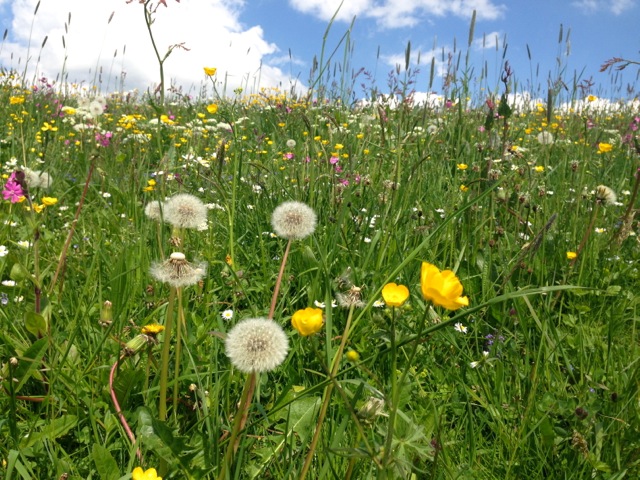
[(166, 119), (571, 255), (592, 98), (352, 356), (212, 108), (463, 188), (16, 100), (395, 295), (442, 288), (139, 474), (462, 166), (339, 146), (210, 71), (48, 201), (604, 147), (307, 321), (152, 329), (539, 168)]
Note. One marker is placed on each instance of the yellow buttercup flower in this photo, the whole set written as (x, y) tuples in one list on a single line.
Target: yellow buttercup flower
[(442, 288), (604, 147), (395, 295), (571, 255), (48, 201), (307, 321), (210, 71), (139, 474), (212, 108), (462, 166)]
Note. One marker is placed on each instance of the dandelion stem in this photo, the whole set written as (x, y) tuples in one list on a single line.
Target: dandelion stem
[(164, 360), (238, 422), (116, 404), (178, 352), (276, 289)]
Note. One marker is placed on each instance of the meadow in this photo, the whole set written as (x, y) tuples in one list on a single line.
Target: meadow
[(271, 285)]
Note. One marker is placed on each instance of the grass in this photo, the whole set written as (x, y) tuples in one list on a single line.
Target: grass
[(543, 383)]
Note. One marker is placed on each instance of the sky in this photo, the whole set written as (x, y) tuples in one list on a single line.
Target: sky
[(273, 43)]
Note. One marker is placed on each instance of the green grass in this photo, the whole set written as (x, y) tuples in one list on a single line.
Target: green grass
[(555, 396)]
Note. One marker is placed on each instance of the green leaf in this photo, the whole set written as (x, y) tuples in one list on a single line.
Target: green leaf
[(19, 273), (57, 428), (504, 110), (105, 463), (29, 362), (162, 440), (35, 324)]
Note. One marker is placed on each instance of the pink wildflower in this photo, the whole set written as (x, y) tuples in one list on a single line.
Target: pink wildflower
[(12, 190)]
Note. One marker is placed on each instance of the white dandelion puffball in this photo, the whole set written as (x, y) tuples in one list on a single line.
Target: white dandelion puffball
[(178, 272), (256, 345), (153, 210), (293, 220), (185, 211)]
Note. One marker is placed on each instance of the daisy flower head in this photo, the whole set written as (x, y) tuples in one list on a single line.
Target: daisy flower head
[(256, 345), (460, 328), (185, 211), (227, 314), (177, 271), (293, 220)]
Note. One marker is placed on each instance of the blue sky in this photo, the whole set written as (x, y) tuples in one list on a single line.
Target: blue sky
[(266, 42)]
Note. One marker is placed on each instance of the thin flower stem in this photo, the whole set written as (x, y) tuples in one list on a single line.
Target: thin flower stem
[(276, 289), (392, 401), (327, 396), (238, 422), (164, 359), (178, 352), (116, 405), (67, 243)]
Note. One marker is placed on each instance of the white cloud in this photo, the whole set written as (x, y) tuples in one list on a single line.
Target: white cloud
[(400, 13), (617, 7), (489, 41), (422, 60), (210, 29)]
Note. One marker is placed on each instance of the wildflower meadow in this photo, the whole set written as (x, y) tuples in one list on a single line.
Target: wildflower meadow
[(308, 285)]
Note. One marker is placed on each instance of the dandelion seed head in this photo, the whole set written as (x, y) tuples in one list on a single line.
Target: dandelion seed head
[(256, 345), (153, 210), (293, 220), (605, 195), (177, 271), (185, 211), (545, 138)]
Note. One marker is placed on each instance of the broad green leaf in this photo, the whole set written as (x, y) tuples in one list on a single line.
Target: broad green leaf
[(29, 362), (105, 463), (56, 428), (35, 324)]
